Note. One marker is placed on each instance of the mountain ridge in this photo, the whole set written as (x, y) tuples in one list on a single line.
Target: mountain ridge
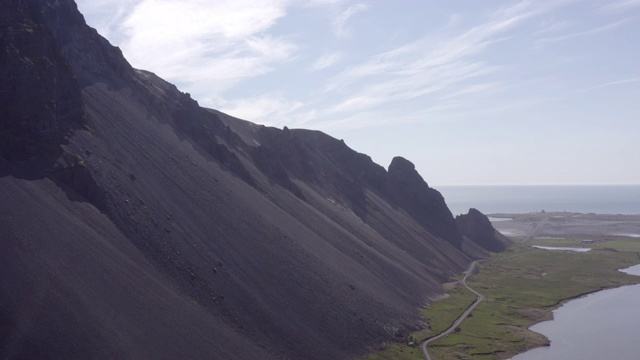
[(137, 224)]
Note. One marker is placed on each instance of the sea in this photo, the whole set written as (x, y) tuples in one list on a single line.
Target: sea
[(520, 199)]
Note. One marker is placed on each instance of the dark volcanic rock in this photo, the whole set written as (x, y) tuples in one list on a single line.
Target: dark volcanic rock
[(40, 100), (425, 204), (137, 224), (477, 227)]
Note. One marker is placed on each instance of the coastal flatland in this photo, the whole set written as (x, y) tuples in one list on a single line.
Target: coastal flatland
[(521, 287), (522, 291)]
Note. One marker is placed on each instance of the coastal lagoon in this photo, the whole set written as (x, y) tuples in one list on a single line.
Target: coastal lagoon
[(602, 325)]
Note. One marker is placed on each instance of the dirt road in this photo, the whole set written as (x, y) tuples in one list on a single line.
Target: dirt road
[(464, 315)]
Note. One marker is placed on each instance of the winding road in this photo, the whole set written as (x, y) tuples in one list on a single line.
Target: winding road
[(479, 299), (464, 315)]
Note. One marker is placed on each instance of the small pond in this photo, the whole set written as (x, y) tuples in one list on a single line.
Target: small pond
[(562, 248)]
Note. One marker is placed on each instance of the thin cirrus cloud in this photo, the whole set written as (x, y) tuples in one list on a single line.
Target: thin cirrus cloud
[(107, 16), (269, 108), (593, 31), (443, 63), (619, 6), (325, 61), (551, 25), (212, 49), (340, 22), (610, 83)]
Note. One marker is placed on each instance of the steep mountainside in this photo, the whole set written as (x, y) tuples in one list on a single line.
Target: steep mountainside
[(136, 224)]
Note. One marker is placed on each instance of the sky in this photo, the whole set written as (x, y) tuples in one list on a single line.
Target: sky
[(472, 92)]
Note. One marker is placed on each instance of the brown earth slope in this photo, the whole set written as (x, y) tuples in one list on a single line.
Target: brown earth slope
[(136, 224)]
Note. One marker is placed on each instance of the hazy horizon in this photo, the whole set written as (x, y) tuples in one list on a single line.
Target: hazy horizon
[(516, 92)]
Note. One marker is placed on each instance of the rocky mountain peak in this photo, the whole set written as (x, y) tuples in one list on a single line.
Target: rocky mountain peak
[(477, 227), (424, 203), (401, 165), (404, 172)]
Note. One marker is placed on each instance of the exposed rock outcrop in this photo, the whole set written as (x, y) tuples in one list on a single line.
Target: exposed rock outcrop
[(425, 204), (40, 102), (477, 227)]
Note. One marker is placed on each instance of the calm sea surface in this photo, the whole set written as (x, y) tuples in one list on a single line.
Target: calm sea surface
[(599, 199), (603, 325)]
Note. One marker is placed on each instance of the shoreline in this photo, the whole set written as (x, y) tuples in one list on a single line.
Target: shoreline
[(524, 291), (566, 301), (601, 232), (568, 225), (509, 300), (552, 317)]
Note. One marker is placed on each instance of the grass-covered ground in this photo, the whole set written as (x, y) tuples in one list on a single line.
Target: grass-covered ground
[(521, 288), (440, 315), (398, 352), (617, 243)]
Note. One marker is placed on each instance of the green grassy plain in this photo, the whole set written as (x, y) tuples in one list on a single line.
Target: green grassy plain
[(555, 242), (521, 287), (616, 243), (630, 244), (440, 315), (522, 291), (398, 352)]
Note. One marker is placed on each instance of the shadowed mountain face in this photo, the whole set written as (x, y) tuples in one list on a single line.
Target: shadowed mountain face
[(476, 227), (136, 224)]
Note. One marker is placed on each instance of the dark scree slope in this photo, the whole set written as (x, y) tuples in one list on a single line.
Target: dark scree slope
[(136, 224)]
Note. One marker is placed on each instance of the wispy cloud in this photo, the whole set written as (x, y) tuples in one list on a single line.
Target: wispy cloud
[(610, 83), (209, 48), (203, 43), (340, 22), (619, 6), (107, 16), (481, 88), (600, 29), (269, 109), (438, 65), (326, 61), (551, 25), (438, 113)]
